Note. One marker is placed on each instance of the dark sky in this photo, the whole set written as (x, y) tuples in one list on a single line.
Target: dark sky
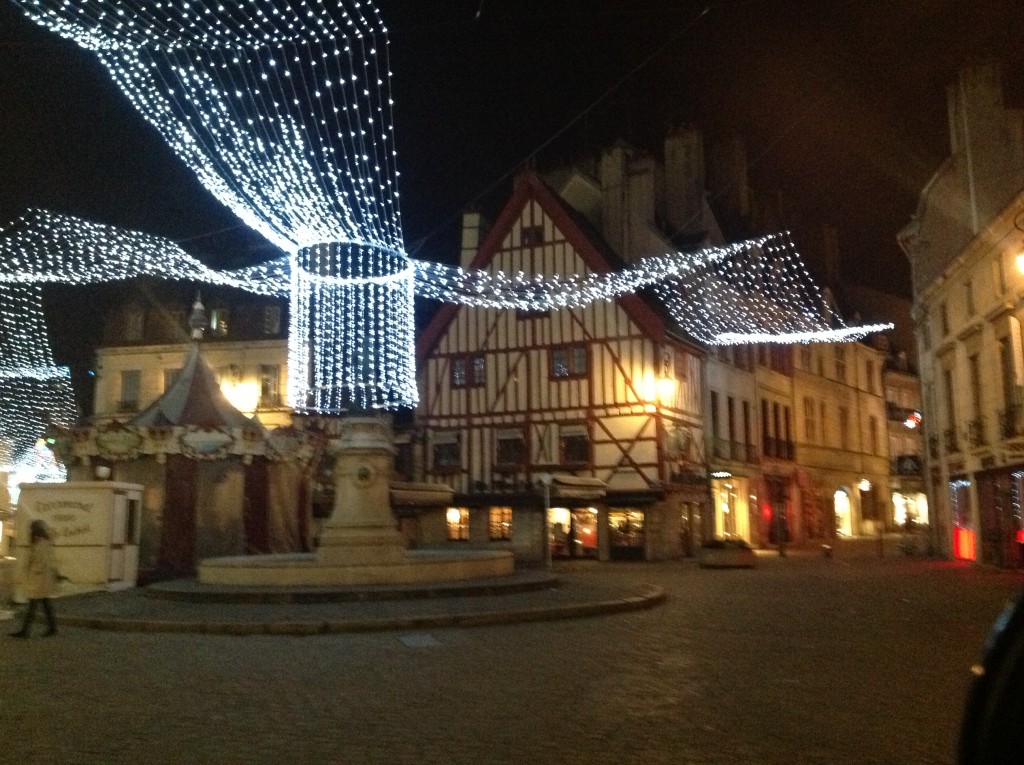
[(841, 101)]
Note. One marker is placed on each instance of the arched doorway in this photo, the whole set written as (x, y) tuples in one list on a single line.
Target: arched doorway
[(844, 512)]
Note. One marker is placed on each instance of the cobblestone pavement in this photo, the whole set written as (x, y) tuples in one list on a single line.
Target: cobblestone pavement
[(801, 660)]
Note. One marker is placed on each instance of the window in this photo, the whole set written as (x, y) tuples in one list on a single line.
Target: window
[(974, 368), (134, 324), (841, 363), (468, 371), (500, 523), (568, 361), (742, 358), (510, 449), (447, 452), (844, 428), (533, 236), (806, 357), (873, 434), (458, 524), (270, 385), (219, 322), (131, 385), (170, 376), (574, 445), (869, 373), (271, 319), (969, 297), (715, 416), (999, 274), (821, 419), (810, 420), (943, 318)]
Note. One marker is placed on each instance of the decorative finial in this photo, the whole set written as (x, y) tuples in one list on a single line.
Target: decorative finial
[(198, 321)]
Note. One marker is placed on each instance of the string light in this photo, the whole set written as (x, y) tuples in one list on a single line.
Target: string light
[(286, 118)]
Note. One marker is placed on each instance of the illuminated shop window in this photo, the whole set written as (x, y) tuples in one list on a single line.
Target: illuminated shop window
[(458, 524), (500, 520)]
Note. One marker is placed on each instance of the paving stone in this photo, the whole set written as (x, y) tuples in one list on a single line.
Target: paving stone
[(800, 660)]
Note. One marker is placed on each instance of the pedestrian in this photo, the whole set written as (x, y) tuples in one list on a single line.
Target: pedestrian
[(40, 579)]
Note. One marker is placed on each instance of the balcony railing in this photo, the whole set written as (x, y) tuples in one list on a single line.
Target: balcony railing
[(724, 449), (908, 465), (895, 412), (779, 449), (129, 406)]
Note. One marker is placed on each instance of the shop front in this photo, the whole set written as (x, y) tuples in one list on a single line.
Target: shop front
[(1000, 518), (731, 496)]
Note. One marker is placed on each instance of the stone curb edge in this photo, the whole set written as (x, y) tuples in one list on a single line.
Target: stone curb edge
[(653, 596)]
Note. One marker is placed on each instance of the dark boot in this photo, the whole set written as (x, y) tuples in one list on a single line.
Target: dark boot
[(51, 619), (26, 625)]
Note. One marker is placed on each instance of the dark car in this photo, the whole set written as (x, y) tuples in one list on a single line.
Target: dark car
[(993, 726)]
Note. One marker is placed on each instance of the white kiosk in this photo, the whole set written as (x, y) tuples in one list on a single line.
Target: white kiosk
[(95, 529)]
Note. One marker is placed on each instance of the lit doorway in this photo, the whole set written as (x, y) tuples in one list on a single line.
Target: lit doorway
[(844, 513), (572, 533), (626, 534), (732, 507)]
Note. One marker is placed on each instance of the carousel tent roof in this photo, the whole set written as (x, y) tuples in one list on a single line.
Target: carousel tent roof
[(194, 398)]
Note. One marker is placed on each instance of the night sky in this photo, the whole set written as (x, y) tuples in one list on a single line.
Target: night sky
[(842, 104)]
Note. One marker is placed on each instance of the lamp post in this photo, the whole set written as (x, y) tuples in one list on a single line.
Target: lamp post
[(546, 480)]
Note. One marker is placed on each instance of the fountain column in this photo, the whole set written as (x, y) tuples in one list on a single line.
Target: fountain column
[(362, 528)]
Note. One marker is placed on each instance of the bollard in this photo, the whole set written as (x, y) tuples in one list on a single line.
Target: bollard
[(826, 550)]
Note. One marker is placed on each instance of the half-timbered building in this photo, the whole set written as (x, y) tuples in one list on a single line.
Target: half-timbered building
[(572, 432)]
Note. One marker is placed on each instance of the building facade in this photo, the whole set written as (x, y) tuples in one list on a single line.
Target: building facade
[(964, 244), (572, 432)]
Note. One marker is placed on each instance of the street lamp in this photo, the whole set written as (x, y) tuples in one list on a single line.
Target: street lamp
[(546, 480)]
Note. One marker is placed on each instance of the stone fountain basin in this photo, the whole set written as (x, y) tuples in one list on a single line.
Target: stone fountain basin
[(306, 569)]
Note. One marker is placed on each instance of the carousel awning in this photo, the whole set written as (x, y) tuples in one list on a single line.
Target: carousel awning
[(194, 398)]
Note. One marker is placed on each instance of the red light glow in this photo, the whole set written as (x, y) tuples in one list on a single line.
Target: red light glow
[(963, 544)]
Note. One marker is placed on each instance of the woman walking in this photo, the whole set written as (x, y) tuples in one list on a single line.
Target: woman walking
[(40, 579)]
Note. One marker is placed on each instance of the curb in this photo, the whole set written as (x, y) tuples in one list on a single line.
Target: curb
[(653, 596)]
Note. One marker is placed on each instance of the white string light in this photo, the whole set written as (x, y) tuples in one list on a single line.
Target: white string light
[(285, 117)]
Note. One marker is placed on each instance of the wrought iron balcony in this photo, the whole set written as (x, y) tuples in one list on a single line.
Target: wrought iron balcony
[(908, 465), (778, 448)]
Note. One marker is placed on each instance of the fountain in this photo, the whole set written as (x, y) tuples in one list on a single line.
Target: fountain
[(360, 543)]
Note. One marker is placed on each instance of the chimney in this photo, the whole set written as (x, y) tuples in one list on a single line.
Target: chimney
[(833, 272), (474, 228), (684, 180)]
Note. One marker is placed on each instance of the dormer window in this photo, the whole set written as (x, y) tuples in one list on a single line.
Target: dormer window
[(134, 324), (533, 236), (219, 322)]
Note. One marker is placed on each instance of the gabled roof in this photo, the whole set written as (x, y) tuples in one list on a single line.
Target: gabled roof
[(195, 398), (590, 248)]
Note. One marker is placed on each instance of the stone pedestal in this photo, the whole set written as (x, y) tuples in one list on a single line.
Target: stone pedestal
[(362, 528)]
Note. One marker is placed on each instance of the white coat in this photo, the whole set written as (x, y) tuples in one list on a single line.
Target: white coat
[(40, 570)]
